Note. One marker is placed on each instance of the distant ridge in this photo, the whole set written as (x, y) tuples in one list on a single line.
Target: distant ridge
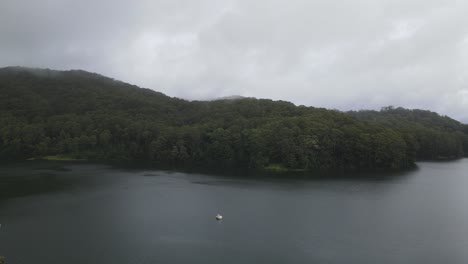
[(83, 115), (46, 72), (232, 97)]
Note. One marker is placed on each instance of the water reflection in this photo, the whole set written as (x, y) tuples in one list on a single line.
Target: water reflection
[(90, 213)]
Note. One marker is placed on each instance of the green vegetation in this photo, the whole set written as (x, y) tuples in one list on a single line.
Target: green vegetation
[(279, 168), (429, 135), (82, 115), (60, 158)]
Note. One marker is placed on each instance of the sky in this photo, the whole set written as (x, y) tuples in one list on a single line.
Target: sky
[(345, 55)]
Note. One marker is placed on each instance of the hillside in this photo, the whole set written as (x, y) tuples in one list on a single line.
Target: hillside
[(436, 137), (86, 115)]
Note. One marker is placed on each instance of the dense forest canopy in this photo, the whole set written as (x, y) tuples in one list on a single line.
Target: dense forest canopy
[(85, 115)]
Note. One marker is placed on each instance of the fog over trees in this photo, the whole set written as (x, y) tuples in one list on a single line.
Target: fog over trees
[(88, 116)]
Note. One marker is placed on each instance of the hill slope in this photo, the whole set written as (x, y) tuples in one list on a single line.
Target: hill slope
[(86, 115), (435, 136)]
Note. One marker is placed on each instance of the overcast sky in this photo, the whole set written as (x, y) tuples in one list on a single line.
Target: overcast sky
[(349, 54)]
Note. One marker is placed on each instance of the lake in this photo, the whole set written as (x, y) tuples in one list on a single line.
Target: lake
[(62, 212)]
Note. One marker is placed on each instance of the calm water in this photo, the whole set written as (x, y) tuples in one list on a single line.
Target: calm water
[(55, 213)]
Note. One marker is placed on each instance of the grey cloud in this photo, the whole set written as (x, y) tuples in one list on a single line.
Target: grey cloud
[(335, 54)]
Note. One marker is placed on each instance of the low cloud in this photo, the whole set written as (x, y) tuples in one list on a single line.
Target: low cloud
[(335, 54)]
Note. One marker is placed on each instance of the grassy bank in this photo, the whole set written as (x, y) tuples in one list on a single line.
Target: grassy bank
[(279, 168), (58, 158)]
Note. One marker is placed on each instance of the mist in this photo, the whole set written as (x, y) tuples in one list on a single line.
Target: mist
[(345, 55)]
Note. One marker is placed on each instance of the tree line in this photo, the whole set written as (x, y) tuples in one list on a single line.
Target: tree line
[(89, 116)]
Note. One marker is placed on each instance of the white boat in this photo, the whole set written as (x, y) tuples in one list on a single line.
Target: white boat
[(219, 217)]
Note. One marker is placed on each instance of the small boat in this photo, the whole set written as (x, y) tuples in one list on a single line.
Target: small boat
[(219, 217)]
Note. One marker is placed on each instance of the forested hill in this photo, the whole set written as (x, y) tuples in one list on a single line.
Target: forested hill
[(436, 137), (86, 115)]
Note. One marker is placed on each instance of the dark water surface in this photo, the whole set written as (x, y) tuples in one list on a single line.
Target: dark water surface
[(57, 213)]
